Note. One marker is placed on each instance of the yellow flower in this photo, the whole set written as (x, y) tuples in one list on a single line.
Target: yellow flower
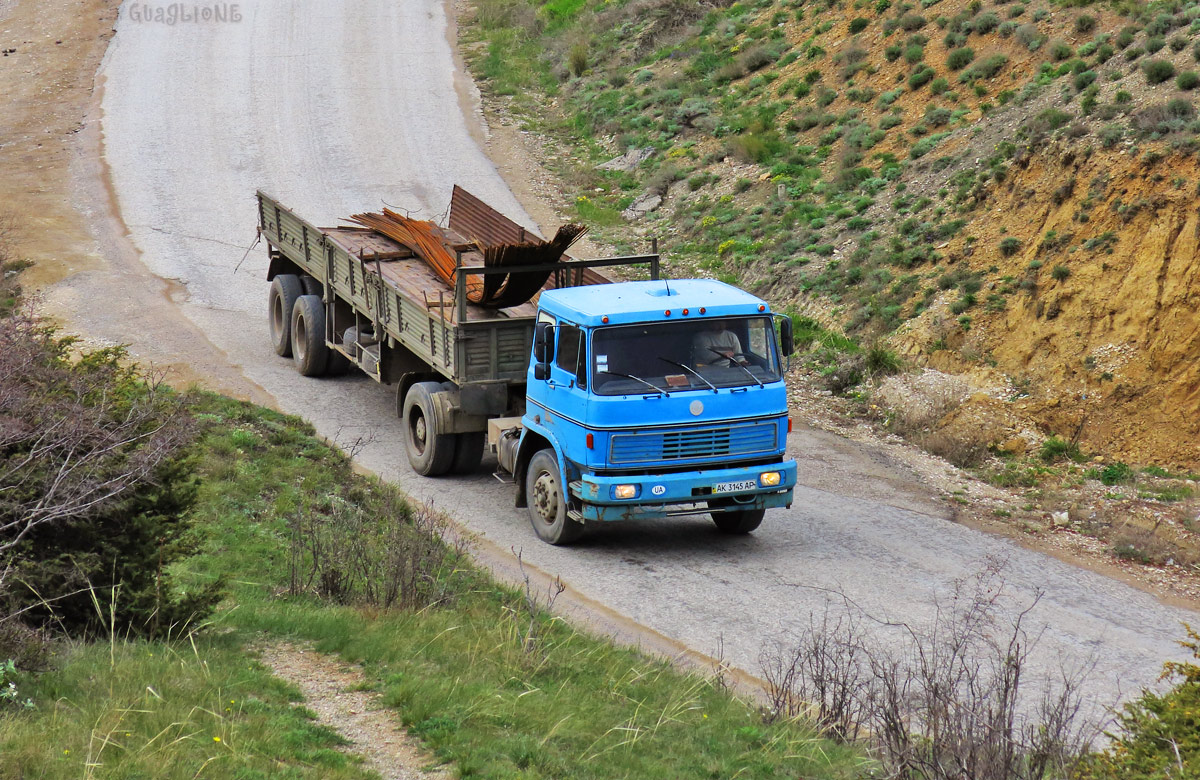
[(216, 739)]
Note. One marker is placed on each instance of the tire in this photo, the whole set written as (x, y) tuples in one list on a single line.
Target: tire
[(468, 452), (547, 503), (741, 522), (430, 453), (308, 336), (285, 289), (311, 286)]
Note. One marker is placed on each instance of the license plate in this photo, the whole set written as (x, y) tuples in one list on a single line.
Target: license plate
[(734, 487)]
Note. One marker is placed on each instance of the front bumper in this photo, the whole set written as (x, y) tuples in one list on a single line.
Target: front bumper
[(685, 493)]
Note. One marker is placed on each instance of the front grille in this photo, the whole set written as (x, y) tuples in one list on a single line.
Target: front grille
[(694, 443)]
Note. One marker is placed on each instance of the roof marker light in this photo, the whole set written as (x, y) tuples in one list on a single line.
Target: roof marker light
[(702, 309), (604, 319), (762, 307), (667, 312), (685, 312)]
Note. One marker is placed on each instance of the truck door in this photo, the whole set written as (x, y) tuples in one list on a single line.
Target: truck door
[(566, 391)]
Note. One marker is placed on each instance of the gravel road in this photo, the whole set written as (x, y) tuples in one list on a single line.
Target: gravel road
[(336, 108)]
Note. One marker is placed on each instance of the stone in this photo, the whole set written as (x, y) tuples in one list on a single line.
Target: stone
[(629, 161), (645, 203), (1015, 446)]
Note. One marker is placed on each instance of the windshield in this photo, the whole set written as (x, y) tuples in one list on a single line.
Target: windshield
[(702, 354)]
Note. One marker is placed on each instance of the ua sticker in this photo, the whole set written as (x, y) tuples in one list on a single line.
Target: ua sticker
[(696, 407), (658, 490)]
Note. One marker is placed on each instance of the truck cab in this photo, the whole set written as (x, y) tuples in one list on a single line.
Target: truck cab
[(650, 400)]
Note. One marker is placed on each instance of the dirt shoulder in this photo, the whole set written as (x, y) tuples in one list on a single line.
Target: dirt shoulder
[(86, 273)]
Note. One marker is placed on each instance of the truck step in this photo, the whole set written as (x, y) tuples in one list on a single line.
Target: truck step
[(504, 477)]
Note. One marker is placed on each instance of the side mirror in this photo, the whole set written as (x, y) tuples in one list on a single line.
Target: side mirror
[(541, 371), (543, 342), (787, 341)]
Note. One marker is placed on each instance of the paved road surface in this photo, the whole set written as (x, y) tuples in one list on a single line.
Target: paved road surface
[(336, 108)]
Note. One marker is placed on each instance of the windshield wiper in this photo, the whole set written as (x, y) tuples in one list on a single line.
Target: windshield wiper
[(690, 370), (651, 385), (733, 362)]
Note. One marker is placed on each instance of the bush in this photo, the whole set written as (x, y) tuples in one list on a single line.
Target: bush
[(1084, 80), (1154, 44), (912, 22), (939, 85), (1009, 245), (1060, 273), (1111, 135), (1029, 36), (920, 78), (1059, 51), (1158, 735), (98, 484), (1158, 71), (984, 69), (858, 25), (1188, 80), (1085, 23), (960, 58), (893, 52), (914, 53), (1116, 473), (985, 22), (577, 59), (1057, 448)]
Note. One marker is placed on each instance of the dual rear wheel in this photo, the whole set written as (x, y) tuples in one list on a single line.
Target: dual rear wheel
[(296, 315)]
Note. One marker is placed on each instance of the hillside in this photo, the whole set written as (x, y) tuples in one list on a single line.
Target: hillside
[(998, 190)]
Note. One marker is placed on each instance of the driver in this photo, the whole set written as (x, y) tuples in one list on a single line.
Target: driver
[(716, 345)]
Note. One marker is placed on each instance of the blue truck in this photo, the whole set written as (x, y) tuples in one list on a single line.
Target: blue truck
[(600, 401)]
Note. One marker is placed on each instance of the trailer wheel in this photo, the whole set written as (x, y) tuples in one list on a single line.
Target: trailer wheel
[(468, 452), (308, 336), (741, 522), (311, 286), (547, 501), (285, 289), (430, 452)]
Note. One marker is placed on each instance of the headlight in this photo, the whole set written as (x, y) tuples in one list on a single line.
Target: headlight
[(770, 478), (625, 491)]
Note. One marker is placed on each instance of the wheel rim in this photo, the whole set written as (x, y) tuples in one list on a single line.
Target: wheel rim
[(277, 314), (418, 431), (300, 341), (545, 497)]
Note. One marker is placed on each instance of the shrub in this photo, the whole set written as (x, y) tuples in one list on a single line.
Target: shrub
[(984, 69), (1116, 473), (858, 25), (1060, 273), (939, 85), (893, 52), (1007, 29), (1009, 245), (1158, 732), (1125, 38), (1104, 53), (1057, 448), (1158, 71), (1029, 36), (1154, 44), (985, 22), (920, 78), (97, 485), (1111, 135), (1059, 51), (1085, 23), (577, 59), (912, 22), (936, 117), (960, 58), (1084, 80), (914, 53), (1188, 80)]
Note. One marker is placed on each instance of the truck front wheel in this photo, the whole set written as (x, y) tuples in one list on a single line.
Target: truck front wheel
[(285, 289), (739, 522), (547, 502), (430, 452)]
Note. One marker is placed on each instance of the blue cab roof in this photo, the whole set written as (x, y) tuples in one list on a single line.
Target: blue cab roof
[(626, 302)]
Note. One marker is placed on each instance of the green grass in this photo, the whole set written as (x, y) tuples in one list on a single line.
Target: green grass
[(486, 694)]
